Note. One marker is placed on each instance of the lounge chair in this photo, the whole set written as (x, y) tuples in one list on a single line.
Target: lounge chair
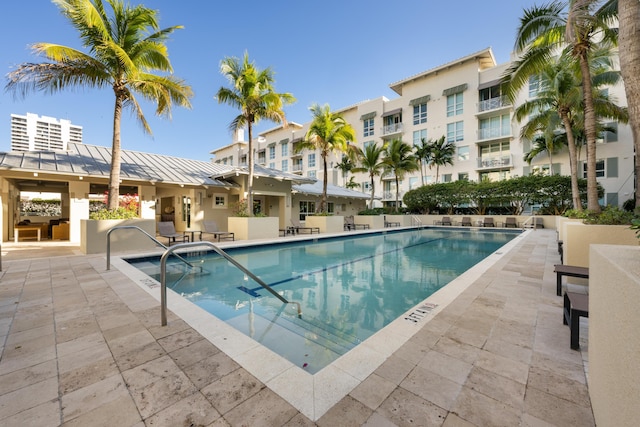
[(488, 222), (444, 221), (349, 224), (539, 222), (297, 227), (211, 227), (510, 222), (465, 221), (168, 230)]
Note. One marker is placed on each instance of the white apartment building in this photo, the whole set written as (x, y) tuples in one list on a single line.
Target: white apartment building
[(462, 101), (34, 133)]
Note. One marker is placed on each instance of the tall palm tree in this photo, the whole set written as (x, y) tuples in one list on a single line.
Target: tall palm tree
[(370, 162), (125, 48), (345, 165), (423, 153), (443, 152), (545, 142), (573, 26), (629, 39), (399, 160), (329, 133), (252, 92)]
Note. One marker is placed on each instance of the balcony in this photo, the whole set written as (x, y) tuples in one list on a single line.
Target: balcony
[(392, 130), (297, 169), (391, 195), (495, 162), (493, 104), (494, 133)]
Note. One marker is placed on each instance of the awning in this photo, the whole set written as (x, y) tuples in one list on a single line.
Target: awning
[(368, 116), (489, 84), (421, 100), (392, 112), (455, 89)]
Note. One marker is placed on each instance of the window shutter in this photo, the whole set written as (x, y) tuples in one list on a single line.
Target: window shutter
[(557, 170), (526, 171), (612, 199), (612, 167)]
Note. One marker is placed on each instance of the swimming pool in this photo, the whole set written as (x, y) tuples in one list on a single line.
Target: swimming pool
[(349, 287)]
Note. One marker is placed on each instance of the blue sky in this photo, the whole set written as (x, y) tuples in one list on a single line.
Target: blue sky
[(330, 51)]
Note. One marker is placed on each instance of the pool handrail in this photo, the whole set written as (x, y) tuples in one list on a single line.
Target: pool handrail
[(163, 281), (157, 242)]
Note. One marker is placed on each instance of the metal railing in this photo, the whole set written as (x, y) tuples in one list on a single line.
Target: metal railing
[(157, 242), (163, 283), (416, 221)]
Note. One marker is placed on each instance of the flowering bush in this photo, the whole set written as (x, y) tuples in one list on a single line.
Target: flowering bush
[(128, 208), (241, 209)]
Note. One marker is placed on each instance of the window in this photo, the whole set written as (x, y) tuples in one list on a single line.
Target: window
[(366, 186), (285, 150), (447, 177), (495, 127), (413, 183), (610, 134), (311, 174), (272, 152), (272, 165), (366, 144), (420, 113), (330, 207), (599, 169), (311, 162), (534, 85), (306, 207), (219, 201), (454, 104), (463, 153), (368, 127), (605, 168), (455, 132), (418, 135), (285, 166), (463, 176)]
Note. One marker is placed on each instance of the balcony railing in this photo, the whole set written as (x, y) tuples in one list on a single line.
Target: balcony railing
[(392, 129), (493, 133), (391, 195), (296, 168), (495, 162), (493, 103)]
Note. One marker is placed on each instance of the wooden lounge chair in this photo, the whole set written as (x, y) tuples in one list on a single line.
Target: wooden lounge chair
[(510, 222), (465, 221), (168, 230), (349, 224), (297, 227), (211, 227), (444, 221), (488, 222)]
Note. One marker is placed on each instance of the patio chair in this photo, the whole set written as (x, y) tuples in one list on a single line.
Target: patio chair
[(465, 221), (488, 222), (168, 230), (539, 222), (211, 227), (444, 221), (297, 227), (510, 222), (349, 224)]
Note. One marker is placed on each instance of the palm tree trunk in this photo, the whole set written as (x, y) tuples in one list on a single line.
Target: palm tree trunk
[(397, 195), (573, 162), (373, 193), (422, 165), (325, 180), (437, 172), (250, 178), (590, 132), (550, 163), (629, 39), (114, 173)]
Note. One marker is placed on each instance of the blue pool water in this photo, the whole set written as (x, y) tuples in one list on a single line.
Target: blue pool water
[(348, 287)]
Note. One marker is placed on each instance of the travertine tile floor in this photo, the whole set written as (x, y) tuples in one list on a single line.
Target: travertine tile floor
[(82, 346)]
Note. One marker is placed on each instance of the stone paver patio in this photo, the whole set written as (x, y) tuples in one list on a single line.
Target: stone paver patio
[(83, 346)]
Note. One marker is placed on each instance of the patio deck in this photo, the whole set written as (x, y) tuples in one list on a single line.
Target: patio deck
[(84, 346)]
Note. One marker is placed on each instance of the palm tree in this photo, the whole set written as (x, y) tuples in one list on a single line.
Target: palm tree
[(423, 153), (574, 26), (370, 162), (328, 132), (443, 152), (125, 47), (352, 183), (547, 142), (629, 38), (345, 165), (399, 160), (252, 92)]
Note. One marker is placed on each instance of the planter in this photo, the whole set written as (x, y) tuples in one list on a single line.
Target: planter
[(577, 237), (93, 235), (249, 228), (375, 222), (326, 224)]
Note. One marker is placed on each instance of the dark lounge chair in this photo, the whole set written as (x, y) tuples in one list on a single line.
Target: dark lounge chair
[(297, 227), (488, 222), (465, 221), (349, 224), (211, 227), (510, 222), (444, 221), (168, 230)]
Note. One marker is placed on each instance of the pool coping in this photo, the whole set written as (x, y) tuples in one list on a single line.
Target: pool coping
[(314, 394)]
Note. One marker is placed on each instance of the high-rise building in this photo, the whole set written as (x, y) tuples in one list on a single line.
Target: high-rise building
[(34, 133)]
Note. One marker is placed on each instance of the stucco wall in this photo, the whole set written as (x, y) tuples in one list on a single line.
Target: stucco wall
[(614, 340), (578, 236)]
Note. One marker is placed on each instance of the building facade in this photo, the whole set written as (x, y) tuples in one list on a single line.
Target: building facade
[(460, 100), (34, 133)]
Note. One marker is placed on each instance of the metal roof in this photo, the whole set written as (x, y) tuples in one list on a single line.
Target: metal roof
[(95, 161), (332, 190)]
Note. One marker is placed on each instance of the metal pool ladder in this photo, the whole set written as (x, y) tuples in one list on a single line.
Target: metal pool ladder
[(163, 282)]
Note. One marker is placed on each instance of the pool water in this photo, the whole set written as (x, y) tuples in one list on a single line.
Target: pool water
[(348, 287)]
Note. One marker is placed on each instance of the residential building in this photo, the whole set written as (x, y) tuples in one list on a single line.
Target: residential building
[(460, 100), (34, 133)]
